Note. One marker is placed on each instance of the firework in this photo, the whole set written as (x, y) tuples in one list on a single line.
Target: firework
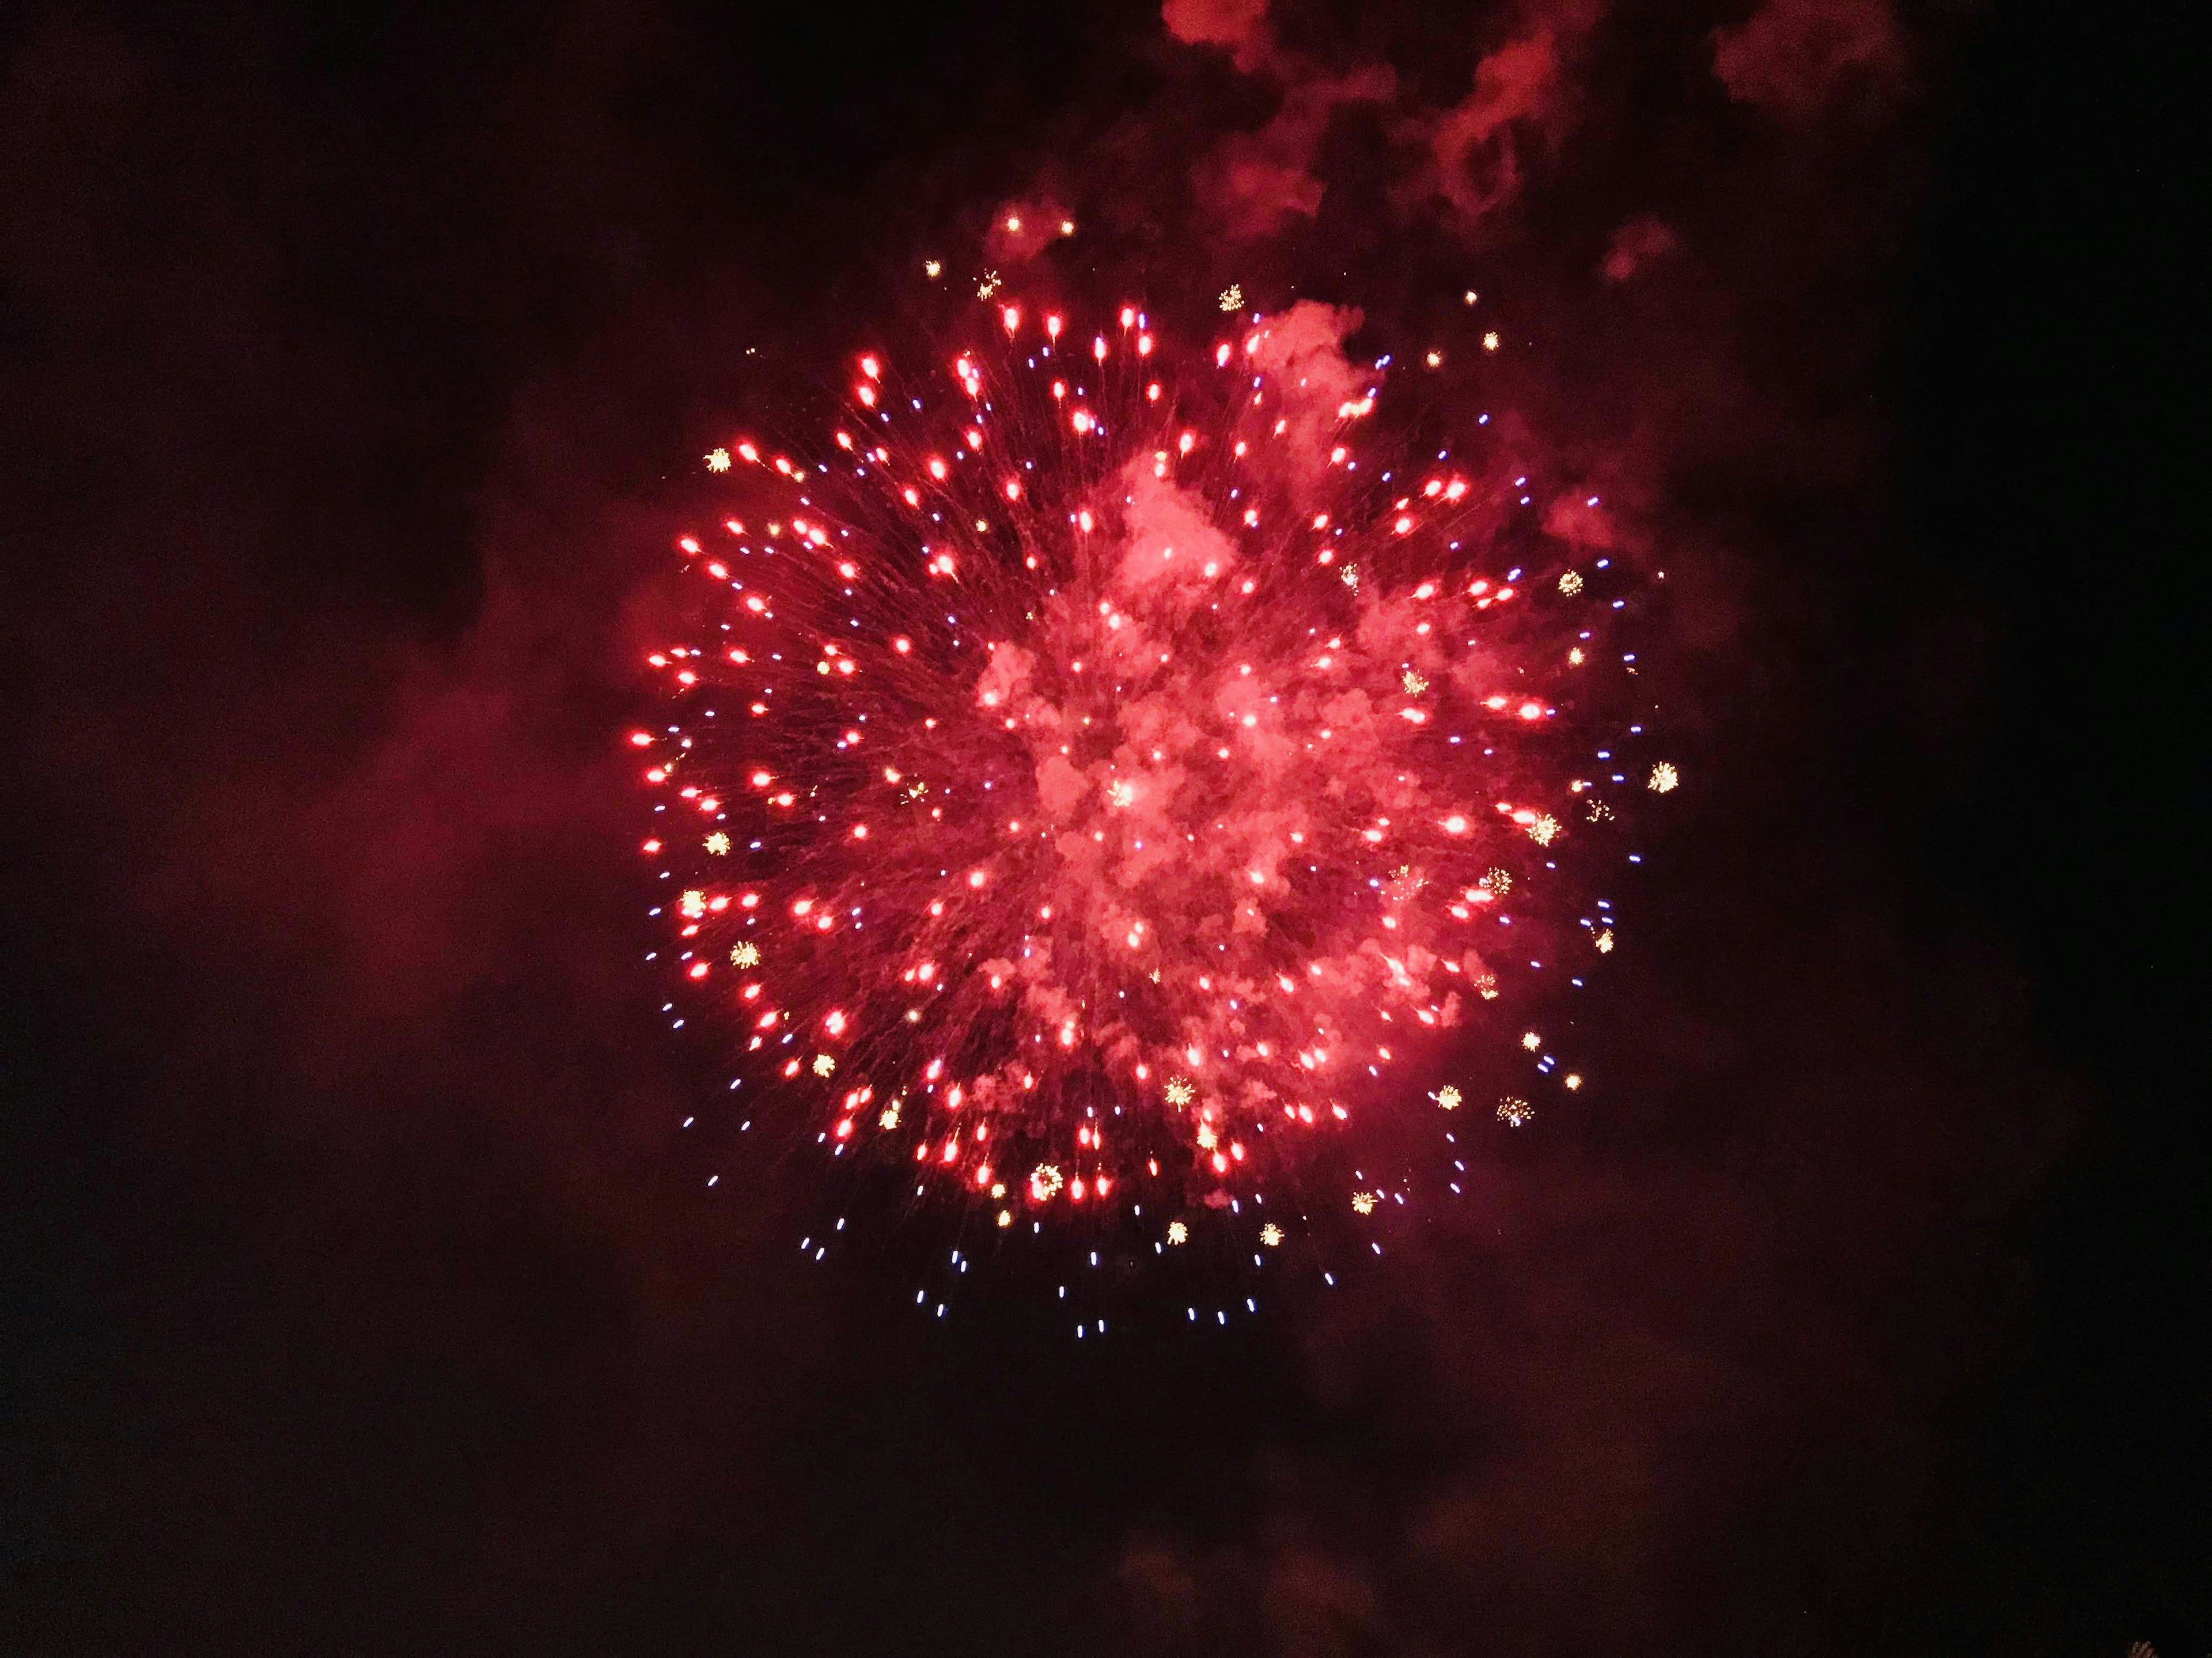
[(1101, 779)]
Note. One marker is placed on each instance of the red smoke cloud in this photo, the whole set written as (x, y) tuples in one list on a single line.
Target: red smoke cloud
[(1521, 98), (1240, 26), (1254, 179), (1635, 245), (1472, 157), (1797, 58)]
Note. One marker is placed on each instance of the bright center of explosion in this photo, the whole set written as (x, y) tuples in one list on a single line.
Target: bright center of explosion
[(1115, 785)]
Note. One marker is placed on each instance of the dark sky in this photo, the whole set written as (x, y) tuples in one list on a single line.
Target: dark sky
[(359, 1290)]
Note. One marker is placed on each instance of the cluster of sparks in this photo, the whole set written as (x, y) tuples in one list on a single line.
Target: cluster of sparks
[(1094, 783)]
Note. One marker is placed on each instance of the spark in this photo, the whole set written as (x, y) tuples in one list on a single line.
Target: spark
[(1664, 779), (1232, 298)]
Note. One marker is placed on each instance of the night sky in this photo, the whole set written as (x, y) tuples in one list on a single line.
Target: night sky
[(358, 1289)]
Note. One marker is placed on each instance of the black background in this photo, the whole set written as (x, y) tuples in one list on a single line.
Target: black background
[(359, 1293)]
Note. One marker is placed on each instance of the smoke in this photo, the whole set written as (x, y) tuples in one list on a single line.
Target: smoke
[(1239, 25), (1800, 58), (1470, 158), (1253, 181), (1634, 247), (1523, 100)]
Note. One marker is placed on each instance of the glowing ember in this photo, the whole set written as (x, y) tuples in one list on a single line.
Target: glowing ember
[(1125, 758)]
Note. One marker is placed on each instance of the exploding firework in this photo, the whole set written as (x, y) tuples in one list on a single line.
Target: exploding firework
[(1102, 780)]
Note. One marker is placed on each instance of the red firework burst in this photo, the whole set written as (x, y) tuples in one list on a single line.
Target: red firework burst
[(1098, 785)]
